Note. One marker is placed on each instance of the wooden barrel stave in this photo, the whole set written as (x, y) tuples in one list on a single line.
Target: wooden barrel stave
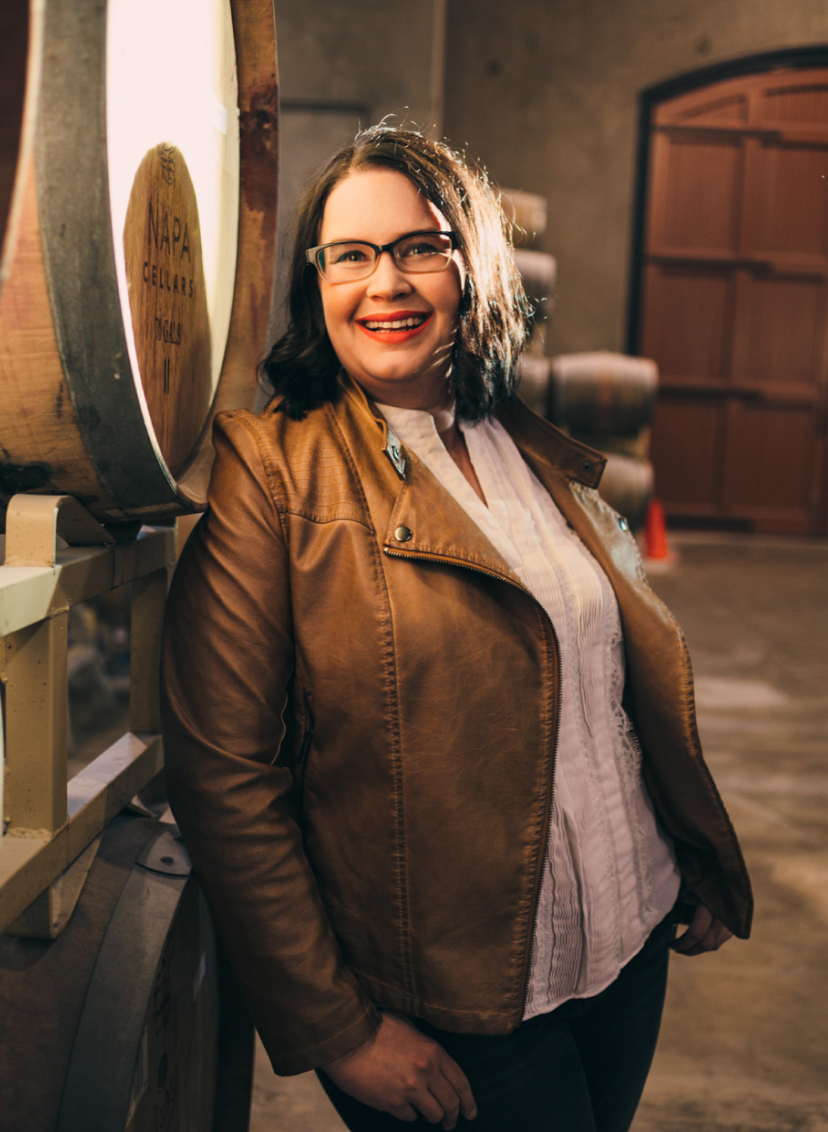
[(41, 445)]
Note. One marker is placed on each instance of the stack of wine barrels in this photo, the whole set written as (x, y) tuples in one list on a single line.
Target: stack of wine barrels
[(538, 272), (607, 400), (138, 187), (138, 194)]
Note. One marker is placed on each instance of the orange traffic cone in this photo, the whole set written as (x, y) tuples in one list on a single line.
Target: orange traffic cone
[(655, 531)]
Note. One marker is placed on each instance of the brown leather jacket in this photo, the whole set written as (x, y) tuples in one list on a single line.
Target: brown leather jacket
[(360, 709)]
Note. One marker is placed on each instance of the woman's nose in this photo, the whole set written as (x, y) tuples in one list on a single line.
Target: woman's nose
[(387, 279)]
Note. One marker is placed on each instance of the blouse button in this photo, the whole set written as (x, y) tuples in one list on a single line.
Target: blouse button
[(402, 534)]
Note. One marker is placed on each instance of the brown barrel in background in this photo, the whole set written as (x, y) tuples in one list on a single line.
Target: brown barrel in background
[(121, 332), (607, 401)]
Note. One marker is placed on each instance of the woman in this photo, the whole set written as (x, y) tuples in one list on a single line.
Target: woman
[(406, 625)]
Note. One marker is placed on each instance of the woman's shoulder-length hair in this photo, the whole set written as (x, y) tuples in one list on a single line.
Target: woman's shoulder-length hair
[(302, 367)]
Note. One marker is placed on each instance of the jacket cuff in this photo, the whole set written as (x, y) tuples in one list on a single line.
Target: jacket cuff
[(350, 1034)]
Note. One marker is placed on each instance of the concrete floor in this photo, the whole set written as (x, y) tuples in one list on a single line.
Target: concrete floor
[(744, 1044)]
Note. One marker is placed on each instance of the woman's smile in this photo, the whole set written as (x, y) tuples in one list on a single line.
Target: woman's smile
[(393, 331), (398, 327)]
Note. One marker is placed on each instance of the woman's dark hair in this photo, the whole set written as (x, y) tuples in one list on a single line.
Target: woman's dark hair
[(302, 367)]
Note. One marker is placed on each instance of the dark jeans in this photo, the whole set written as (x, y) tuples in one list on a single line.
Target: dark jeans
[(580, 1068)]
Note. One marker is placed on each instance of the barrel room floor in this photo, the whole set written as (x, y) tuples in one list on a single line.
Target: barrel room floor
[(745, 1037)]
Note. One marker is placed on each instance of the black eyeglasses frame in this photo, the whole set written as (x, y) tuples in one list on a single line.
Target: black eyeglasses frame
[(312, 254)]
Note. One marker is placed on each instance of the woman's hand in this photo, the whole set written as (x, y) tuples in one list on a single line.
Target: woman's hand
[(401, 1071), (705, 933)]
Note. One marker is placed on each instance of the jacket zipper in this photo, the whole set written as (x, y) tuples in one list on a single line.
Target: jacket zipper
[(527, 964)]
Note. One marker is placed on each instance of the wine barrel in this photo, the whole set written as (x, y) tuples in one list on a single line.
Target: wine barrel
[(538, 273), (130, 1019), (603, 392), (533, 382), (138, 286), (627, 485)]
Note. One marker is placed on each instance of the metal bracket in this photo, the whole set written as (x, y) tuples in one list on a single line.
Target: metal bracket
[(166, 854), (33, 523), (48, 915)]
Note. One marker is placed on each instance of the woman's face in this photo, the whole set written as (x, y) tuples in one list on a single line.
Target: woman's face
[(407, 366)]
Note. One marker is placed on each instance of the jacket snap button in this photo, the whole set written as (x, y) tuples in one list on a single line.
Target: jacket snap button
[(402, 534), (586, 466), (623, 524)]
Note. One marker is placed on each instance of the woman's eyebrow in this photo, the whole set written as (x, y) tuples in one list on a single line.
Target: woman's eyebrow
[(374, 243)]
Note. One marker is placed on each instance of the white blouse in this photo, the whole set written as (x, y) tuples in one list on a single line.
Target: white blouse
[(610, 873)]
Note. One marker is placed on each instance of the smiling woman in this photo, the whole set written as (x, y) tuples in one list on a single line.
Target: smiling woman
[(436, 192), (406, 622), (393, 329)]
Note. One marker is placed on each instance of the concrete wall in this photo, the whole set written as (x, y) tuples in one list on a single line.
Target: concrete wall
[(545, 92), (345, 64), (370, 53)]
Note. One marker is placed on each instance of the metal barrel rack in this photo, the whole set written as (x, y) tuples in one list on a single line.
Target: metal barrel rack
[(119, 1011)]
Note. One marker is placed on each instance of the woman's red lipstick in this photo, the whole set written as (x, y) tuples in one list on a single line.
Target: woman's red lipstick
[(392, 333)]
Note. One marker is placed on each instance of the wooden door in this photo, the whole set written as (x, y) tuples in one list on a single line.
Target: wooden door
[(735, 301)]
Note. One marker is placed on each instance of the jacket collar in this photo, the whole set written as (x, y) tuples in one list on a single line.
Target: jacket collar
[(426, 521), (536, 438)]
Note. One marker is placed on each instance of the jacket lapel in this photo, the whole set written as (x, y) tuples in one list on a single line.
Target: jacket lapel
[(427, 521)]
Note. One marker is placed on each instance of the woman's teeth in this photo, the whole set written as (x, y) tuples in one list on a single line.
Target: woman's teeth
[(399, 324)]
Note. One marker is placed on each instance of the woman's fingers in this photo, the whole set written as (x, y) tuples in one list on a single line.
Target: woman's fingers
[(460, 1083), (705, 933), (447, 1099), (401, 1071), (437, 1097)]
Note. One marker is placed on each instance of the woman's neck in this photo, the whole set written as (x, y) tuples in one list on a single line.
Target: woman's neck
[(454, 442)]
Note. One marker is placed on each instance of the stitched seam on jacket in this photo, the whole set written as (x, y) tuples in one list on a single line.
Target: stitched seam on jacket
[(275, 497), (372, 980), (278, 497), (321, 520), (281, 501), (526, 910), (346, 452), (392, 713), (392, 700), (471, 559), (288, 1054)]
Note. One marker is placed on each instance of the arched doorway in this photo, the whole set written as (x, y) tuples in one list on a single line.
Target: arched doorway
[(730, 294)]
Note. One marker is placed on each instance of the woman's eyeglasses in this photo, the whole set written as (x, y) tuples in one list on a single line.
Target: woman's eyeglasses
[(416, 253)]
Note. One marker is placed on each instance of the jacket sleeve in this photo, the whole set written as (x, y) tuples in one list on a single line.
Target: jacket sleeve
[(228, 656)]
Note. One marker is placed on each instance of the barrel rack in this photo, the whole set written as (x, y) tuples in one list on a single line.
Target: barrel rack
[(56, 556)]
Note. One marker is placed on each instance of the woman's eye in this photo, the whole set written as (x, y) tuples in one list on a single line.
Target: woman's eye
[(420, 248), (350, 255)]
